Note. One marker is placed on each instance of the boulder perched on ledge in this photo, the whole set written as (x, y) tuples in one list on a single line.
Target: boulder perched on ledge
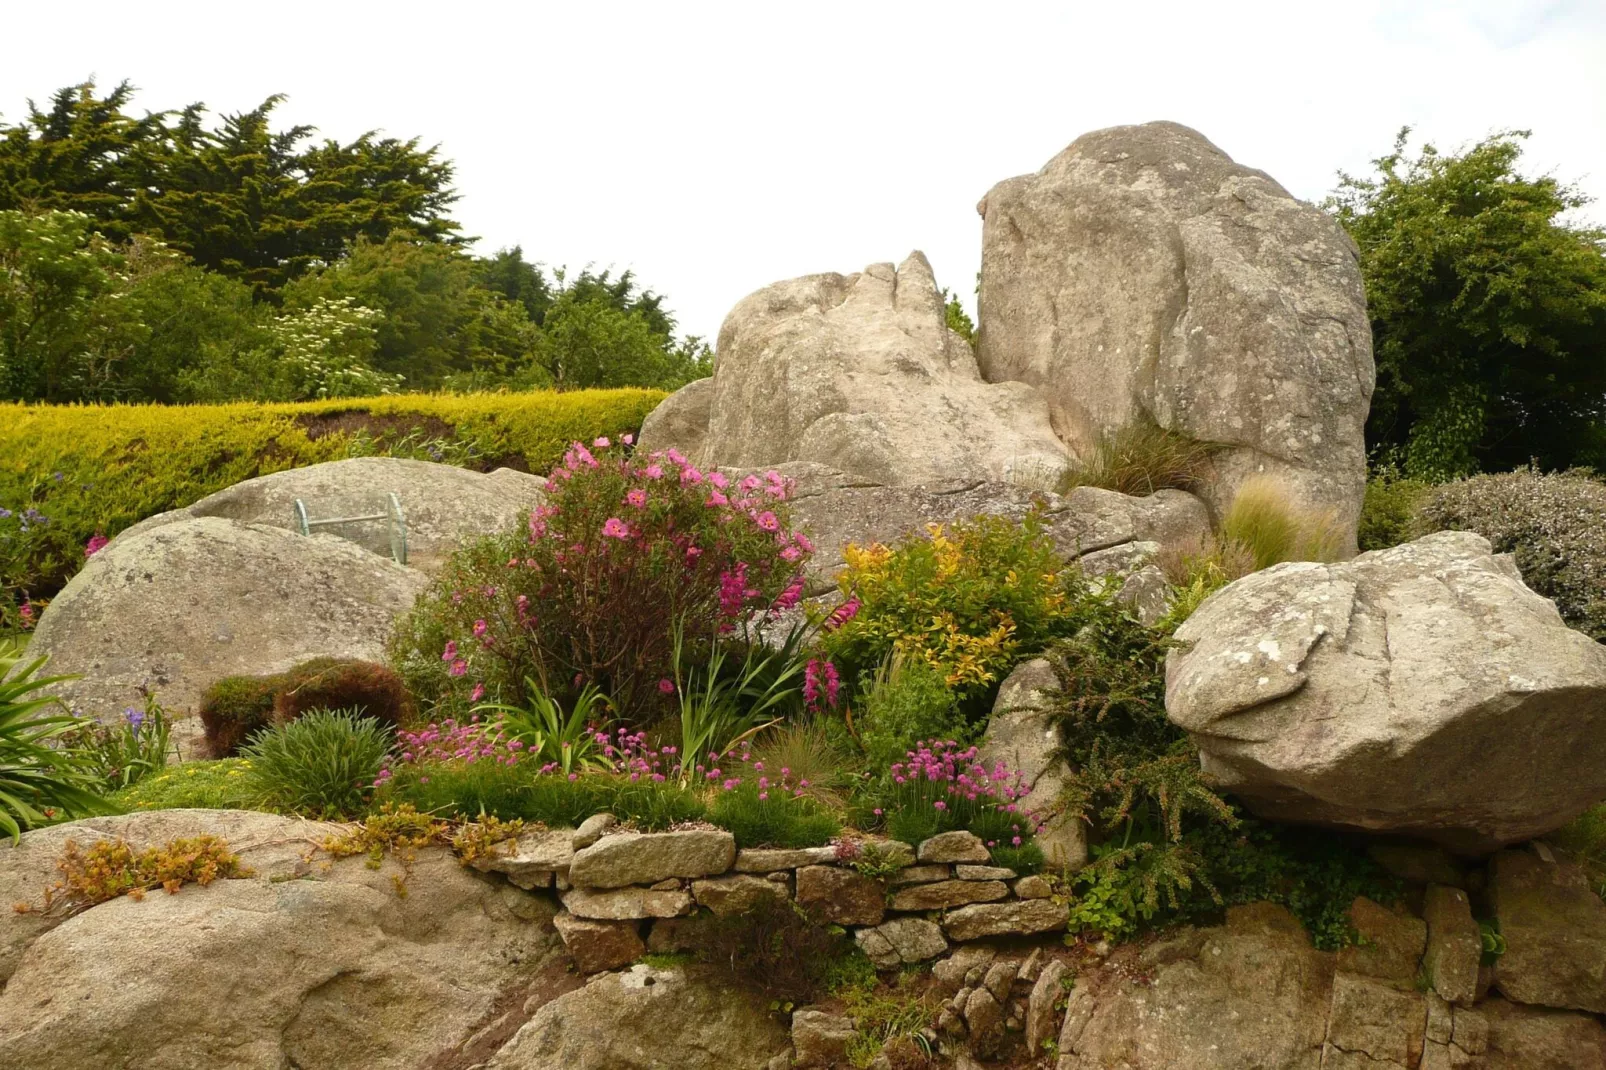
[(1420, 690)]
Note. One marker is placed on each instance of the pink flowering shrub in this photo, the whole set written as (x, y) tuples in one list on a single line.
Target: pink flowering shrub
[(587, 592)]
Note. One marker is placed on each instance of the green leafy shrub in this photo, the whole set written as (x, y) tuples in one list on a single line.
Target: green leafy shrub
[(1135, 776), (904, 702), (464, 789), (322, 764), (627, 559), (206, 785), (88, 470), (969, 600), (1388, 516), (759, 817), (1028, 858), (1140, 459), (236, 707), (1552, 524), (1584, 838), (39, 781)]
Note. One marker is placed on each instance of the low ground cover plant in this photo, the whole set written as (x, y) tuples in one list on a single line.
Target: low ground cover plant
[(110, 868)]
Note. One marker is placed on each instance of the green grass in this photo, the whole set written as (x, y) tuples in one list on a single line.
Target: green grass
[(1272, 527), (1140, 459), (508, 792)]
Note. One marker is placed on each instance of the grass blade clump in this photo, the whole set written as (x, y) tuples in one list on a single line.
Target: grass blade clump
[(322, 765), (1140, 459)]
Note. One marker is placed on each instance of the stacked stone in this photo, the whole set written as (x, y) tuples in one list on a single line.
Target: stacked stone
[(625, 893)]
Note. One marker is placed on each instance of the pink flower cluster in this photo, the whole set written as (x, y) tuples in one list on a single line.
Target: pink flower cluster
[(953, 781), (749, 770), (820, 685), (97, 542), (450, 740)]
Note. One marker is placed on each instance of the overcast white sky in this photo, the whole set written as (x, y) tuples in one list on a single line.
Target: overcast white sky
[(716, 148)]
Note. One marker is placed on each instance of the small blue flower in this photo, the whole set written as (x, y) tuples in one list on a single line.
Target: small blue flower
[(58, 476), (135, 718), (5, 514)]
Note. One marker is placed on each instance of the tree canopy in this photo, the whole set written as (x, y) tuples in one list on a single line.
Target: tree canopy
[(1488, 311), (160, 258)]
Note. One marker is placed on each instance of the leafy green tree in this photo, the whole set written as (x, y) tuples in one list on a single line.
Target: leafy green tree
[(1488, 311), (60, 336), (437, 326), (592, 343), (517, 281), (242, 199), (958, 319)]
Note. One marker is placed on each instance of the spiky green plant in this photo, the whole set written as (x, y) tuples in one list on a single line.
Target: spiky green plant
[(551, 735), (39, 781), (1140, 459), (323, 764)]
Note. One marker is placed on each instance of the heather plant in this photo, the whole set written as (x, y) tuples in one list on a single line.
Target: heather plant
[(969, 599), (765, 806), (323, 764), (39, 779), (236, 707), (624, 549), (1552, 525)]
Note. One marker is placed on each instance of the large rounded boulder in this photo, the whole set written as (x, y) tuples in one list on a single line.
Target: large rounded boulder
[(441, 504), (861, 373), (175, 607), (1420, 690), (1143, 276)]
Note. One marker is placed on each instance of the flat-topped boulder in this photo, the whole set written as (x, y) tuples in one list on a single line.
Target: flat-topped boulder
[(178, 606), (647, 858), (1421, 690)]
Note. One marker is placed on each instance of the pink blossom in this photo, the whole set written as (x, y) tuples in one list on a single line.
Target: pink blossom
[(97, 542), (479, 627), (791, 553), (666, 686), (751, 483), (654, 471), (716, 499), (718, 479), (842, 614), (477, 694), (459, 667), (674, 456), (690, 476), (614, 528), (637, 497), (629, 440), (767, 521), (803, 543), (451, 650), (601, 443)]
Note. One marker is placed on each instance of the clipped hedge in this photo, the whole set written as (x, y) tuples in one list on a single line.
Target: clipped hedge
[(70, 472)]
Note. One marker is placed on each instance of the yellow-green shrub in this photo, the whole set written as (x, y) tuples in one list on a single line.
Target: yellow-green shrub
[(96, 469)]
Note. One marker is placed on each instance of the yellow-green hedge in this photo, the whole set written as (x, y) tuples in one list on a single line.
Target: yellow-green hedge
[(96, 469)]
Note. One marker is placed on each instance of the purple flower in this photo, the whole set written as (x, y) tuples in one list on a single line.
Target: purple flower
[(135, 718)]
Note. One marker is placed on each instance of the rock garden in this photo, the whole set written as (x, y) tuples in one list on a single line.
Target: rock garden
[(883, 700)]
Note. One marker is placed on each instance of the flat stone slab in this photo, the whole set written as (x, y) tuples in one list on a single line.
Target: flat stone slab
[(982, 920), (647, 858)]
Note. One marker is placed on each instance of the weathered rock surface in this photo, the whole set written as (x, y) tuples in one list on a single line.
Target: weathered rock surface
[(956, 846), (680, 421), (901, 941), (647, 1019), (533, 860), (627, 904), (442, 503), (1020, 736), (176, 607), (820, 1039), (1142, 275), (837, 508), (1251, 994), (629, 858), (840, 896), (597, 945), (982, 920), (1530, 1038), (1421, 690), (326, 972), (1555, 931), (740, 894), (945, 894), (1389, 944), (1454, 944), (859, 372)]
